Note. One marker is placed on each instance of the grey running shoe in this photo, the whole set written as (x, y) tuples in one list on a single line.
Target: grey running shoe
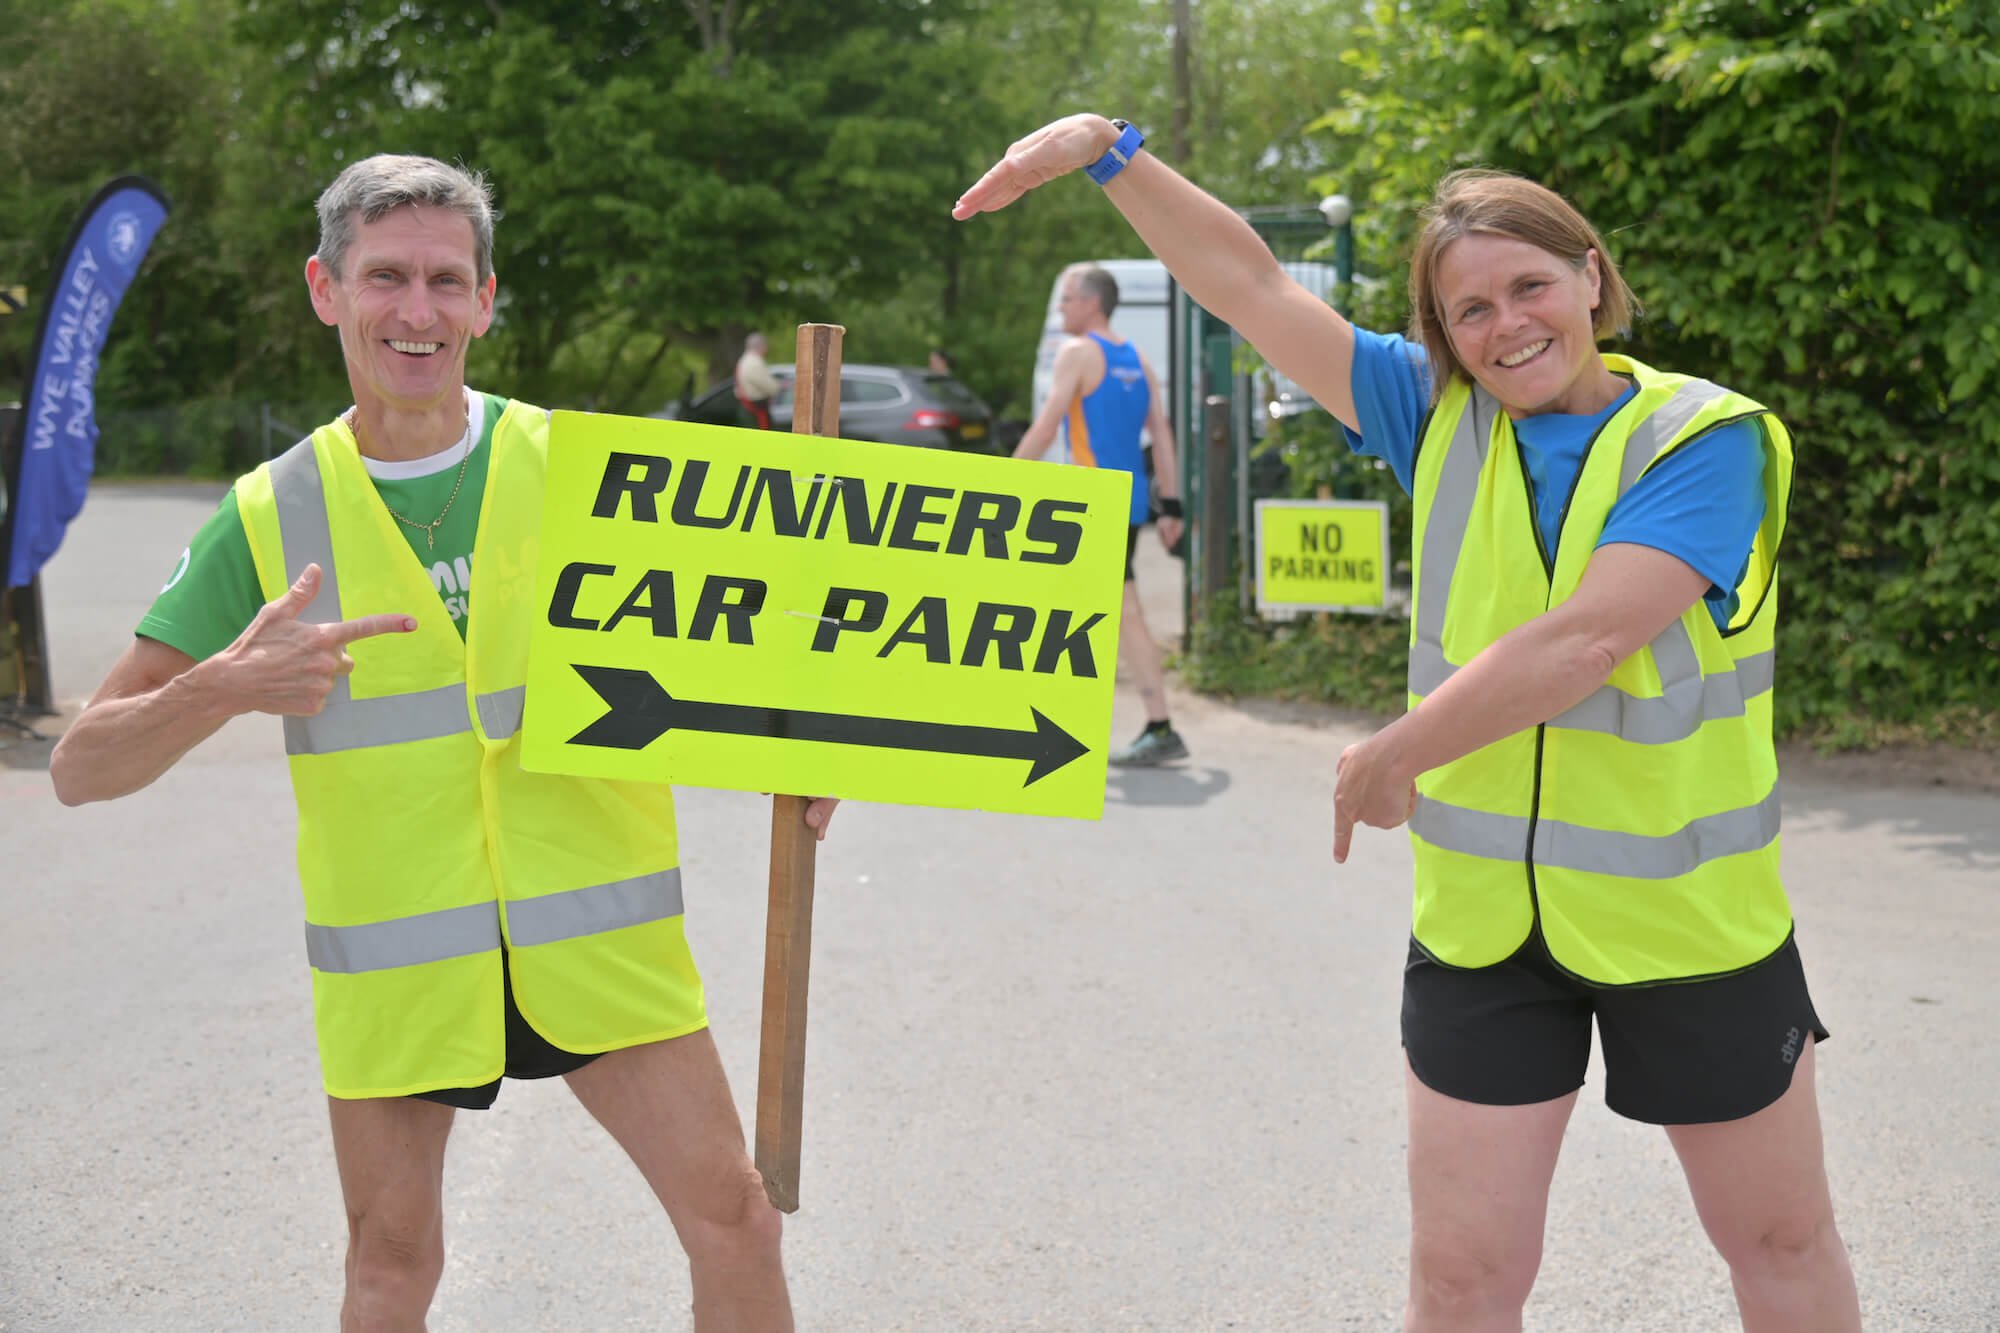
[(1152, 747)]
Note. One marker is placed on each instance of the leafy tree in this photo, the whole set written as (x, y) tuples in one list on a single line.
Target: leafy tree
[(1265, 69), (95, 90), (1252, 92), (1028, 63), (672, 176), (1805, 198)]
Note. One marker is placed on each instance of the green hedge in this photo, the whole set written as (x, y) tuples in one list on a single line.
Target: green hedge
[(1878, 683), (1805, 199)]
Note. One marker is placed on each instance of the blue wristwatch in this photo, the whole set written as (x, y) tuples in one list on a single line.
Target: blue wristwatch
[(1116, 156)]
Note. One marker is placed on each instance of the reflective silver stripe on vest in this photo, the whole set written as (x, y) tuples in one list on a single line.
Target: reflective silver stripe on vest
[(500, 711), (458, 931), (1562, 846), (355, 724), (1671, 418), (1686, 700), (1676, 716), (344, 722), (1673, 716), (592, 911), (1445, 528), (405, 941)]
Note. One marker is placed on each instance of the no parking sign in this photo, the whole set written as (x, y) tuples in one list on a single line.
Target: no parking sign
[(1322, 555)]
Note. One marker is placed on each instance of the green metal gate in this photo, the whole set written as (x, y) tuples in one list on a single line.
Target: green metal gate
[(1225, 403)]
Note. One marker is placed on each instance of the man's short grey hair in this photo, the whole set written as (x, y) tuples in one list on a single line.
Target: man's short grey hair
[(1094, 281), (376, 186)]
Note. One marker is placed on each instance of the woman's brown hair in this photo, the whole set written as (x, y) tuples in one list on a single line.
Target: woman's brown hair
[(1496, 203)]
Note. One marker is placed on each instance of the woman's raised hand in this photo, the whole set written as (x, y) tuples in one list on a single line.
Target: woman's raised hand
[(1056, 149)]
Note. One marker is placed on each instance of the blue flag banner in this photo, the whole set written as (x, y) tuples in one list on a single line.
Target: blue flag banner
[(58, 438)]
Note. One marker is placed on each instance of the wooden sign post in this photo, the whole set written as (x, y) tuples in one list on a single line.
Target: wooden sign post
[(781, 1058), (805, 614)]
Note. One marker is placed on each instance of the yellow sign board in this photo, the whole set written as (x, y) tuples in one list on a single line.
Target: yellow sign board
[(823, 617), (1322, 555), (13, 299)]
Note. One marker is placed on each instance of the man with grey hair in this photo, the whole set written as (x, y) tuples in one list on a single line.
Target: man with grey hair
[(466, 920), (370, 190), (1102, 399)]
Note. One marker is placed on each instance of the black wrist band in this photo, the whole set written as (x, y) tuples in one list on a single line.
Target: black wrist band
[(1170, 506)]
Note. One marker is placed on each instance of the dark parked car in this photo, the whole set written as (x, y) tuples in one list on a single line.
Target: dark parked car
[(892, 404)]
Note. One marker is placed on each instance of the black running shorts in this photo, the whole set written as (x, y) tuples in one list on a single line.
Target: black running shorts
[(1675, 1053), (529, 1055)]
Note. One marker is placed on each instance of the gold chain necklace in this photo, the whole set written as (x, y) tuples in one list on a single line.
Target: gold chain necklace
[(428, 529)]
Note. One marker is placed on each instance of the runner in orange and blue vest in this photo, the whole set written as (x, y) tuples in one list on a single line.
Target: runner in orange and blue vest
[(1586, 764), (1102, 398), (466, 920)]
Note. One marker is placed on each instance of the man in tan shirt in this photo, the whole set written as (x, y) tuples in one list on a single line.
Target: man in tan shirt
[(756, 386)]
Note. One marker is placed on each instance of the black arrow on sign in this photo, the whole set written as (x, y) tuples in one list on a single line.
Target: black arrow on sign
[(642, 711)]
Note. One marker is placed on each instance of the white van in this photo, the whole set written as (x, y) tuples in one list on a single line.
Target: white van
[(1147, 302)]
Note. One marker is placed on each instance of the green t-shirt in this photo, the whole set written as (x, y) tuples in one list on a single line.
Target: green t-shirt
[(213, 593)]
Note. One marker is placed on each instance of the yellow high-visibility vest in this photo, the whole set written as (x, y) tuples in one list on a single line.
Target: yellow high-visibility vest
[(424, 847), (1640, 827)]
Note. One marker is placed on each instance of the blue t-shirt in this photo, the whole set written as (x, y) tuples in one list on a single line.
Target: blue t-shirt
[(1701, 504)]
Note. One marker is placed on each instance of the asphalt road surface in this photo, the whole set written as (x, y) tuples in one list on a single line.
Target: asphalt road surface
[(1140, 1073)]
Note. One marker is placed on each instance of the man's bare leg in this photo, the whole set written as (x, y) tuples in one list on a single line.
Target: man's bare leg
[(668, 1106), (390, 1152), (1159, 743), (1141, 655)]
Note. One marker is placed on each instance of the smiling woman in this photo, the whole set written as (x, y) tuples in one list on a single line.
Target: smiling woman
[(1511, 286), (1586, 765)]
